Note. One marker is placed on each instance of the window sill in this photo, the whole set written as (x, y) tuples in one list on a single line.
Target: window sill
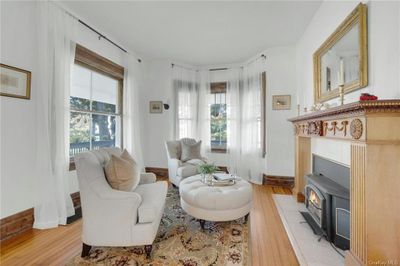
[(218, 150)]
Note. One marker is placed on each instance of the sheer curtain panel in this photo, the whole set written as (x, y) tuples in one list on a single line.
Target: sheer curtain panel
[(251, 161), (185, 85), (233, 109), (131, 115), (56, 51), (204, 112)]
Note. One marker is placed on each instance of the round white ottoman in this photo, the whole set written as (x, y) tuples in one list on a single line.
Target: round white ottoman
[(215, 203)]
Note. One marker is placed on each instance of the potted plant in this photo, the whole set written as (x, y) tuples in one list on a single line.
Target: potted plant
[(207, 170)]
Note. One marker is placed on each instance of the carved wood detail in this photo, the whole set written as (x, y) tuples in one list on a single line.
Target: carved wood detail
[(330, 128), (315, 128), (351, 110), (356, 128)]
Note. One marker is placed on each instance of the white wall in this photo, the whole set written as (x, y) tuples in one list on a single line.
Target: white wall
[(157, 128), (18, 133), (383, 55), (281, 80)]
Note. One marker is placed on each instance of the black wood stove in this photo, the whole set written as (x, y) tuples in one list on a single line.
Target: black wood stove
[(327, 200)]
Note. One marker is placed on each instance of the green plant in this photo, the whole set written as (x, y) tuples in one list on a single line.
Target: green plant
[(206, 168)]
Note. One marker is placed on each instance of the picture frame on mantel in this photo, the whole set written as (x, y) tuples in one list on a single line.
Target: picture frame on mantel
[(156, 107), (281, 102), (15, 82)]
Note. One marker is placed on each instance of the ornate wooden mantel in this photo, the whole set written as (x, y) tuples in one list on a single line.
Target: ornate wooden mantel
[(373, 128)]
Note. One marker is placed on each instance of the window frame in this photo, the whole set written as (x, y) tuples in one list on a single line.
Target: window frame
[(97, 63), (264, 113), (218, 87)]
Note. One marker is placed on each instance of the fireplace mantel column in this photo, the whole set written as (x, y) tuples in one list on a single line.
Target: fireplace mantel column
[(373, 128)]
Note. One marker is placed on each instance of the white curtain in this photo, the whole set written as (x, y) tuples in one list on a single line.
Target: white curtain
[(131, 113), (185, 85), (251, 162), (244, 103), (56, 52), (204, 112), (233, 114)]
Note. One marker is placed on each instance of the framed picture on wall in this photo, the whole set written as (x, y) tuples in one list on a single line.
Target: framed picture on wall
[(281, 102), (15, 82), (156, 107)]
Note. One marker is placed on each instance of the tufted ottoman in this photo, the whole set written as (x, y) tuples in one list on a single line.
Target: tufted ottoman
[(215, 203)]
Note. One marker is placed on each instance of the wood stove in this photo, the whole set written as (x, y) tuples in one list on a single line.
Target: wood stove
[(315, 204), (327, 201)]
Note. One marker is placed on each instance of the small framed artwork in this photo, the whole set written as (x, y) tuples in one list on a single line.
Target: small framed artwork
[(15, 82), (281, 102), (156, 107)]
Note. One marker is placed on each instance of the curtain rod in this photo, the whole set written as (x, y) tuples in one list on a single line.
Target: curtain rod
[(92, 29), (104, 37), (101, 35), (217, 69)]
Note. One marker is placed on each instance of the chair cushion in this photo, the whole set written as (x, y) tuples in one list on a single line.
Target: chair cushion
[(190, 151), (153, 198), (187, 170), (195, 162), (122, 172)]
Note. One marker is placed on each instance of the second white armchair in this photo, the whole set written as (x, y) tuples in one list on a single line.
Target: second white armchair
[(178, 169)]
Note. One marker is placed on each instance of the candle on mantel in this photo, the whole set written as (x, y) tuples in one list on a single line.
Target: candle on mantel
[(341, 72)]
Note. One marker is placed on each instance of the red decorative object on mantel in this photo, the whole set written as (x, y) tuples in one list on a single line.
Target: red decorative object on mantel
[(368, 97)]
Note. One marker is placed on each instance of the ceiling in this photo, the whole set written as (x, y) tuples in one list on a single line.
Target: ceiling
[(198, 32)]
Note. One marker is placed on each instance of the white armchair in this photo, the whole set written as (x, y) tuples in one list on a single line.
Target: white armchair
[(178, 170), (112, 217)]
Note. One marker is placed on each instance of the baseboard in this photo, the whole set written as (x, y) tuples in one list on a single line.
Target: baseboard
[(16, 224), (76, 199), (300, 197), (280, 181), (159, 172), (163, 172), (21, 222)]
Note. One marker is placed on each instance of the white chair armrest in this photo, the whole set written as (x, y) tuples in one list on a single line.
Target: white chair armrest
[(116, 202), (147, 178), (175, 162), (147, 213), (173, 165)]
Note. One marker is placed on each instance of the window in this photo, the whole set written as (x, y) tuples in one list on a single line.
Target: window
[(187, 111), (218, 121), (95, 106)]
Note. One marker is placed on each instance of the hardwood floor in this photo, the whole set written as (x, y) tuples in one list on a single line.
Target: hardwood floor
[(269, 242)]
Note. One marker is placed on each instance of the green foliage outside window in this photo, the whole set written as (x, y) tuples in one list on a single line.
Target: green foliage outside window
[(218, 126)]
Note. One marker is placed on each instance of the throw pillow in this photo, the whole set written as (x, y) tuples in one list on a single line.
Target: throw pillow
[(190, 151), (122, 172)]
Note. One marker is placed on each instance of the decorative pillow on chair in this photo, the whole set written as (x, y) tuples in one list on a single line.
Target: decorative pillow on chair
[(122, 172), (190, 151)]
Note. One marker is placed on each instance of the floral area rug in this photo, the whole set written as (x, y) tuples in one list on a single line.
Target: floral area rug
[(180, 241)]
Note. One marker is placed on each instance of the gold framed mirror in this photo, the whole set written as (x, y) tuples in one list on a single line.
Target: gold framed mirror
[(343, 58)]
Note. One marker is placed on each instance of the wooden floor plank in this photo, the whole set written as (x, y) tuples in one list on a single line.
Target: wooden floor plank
[(270, 245)]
